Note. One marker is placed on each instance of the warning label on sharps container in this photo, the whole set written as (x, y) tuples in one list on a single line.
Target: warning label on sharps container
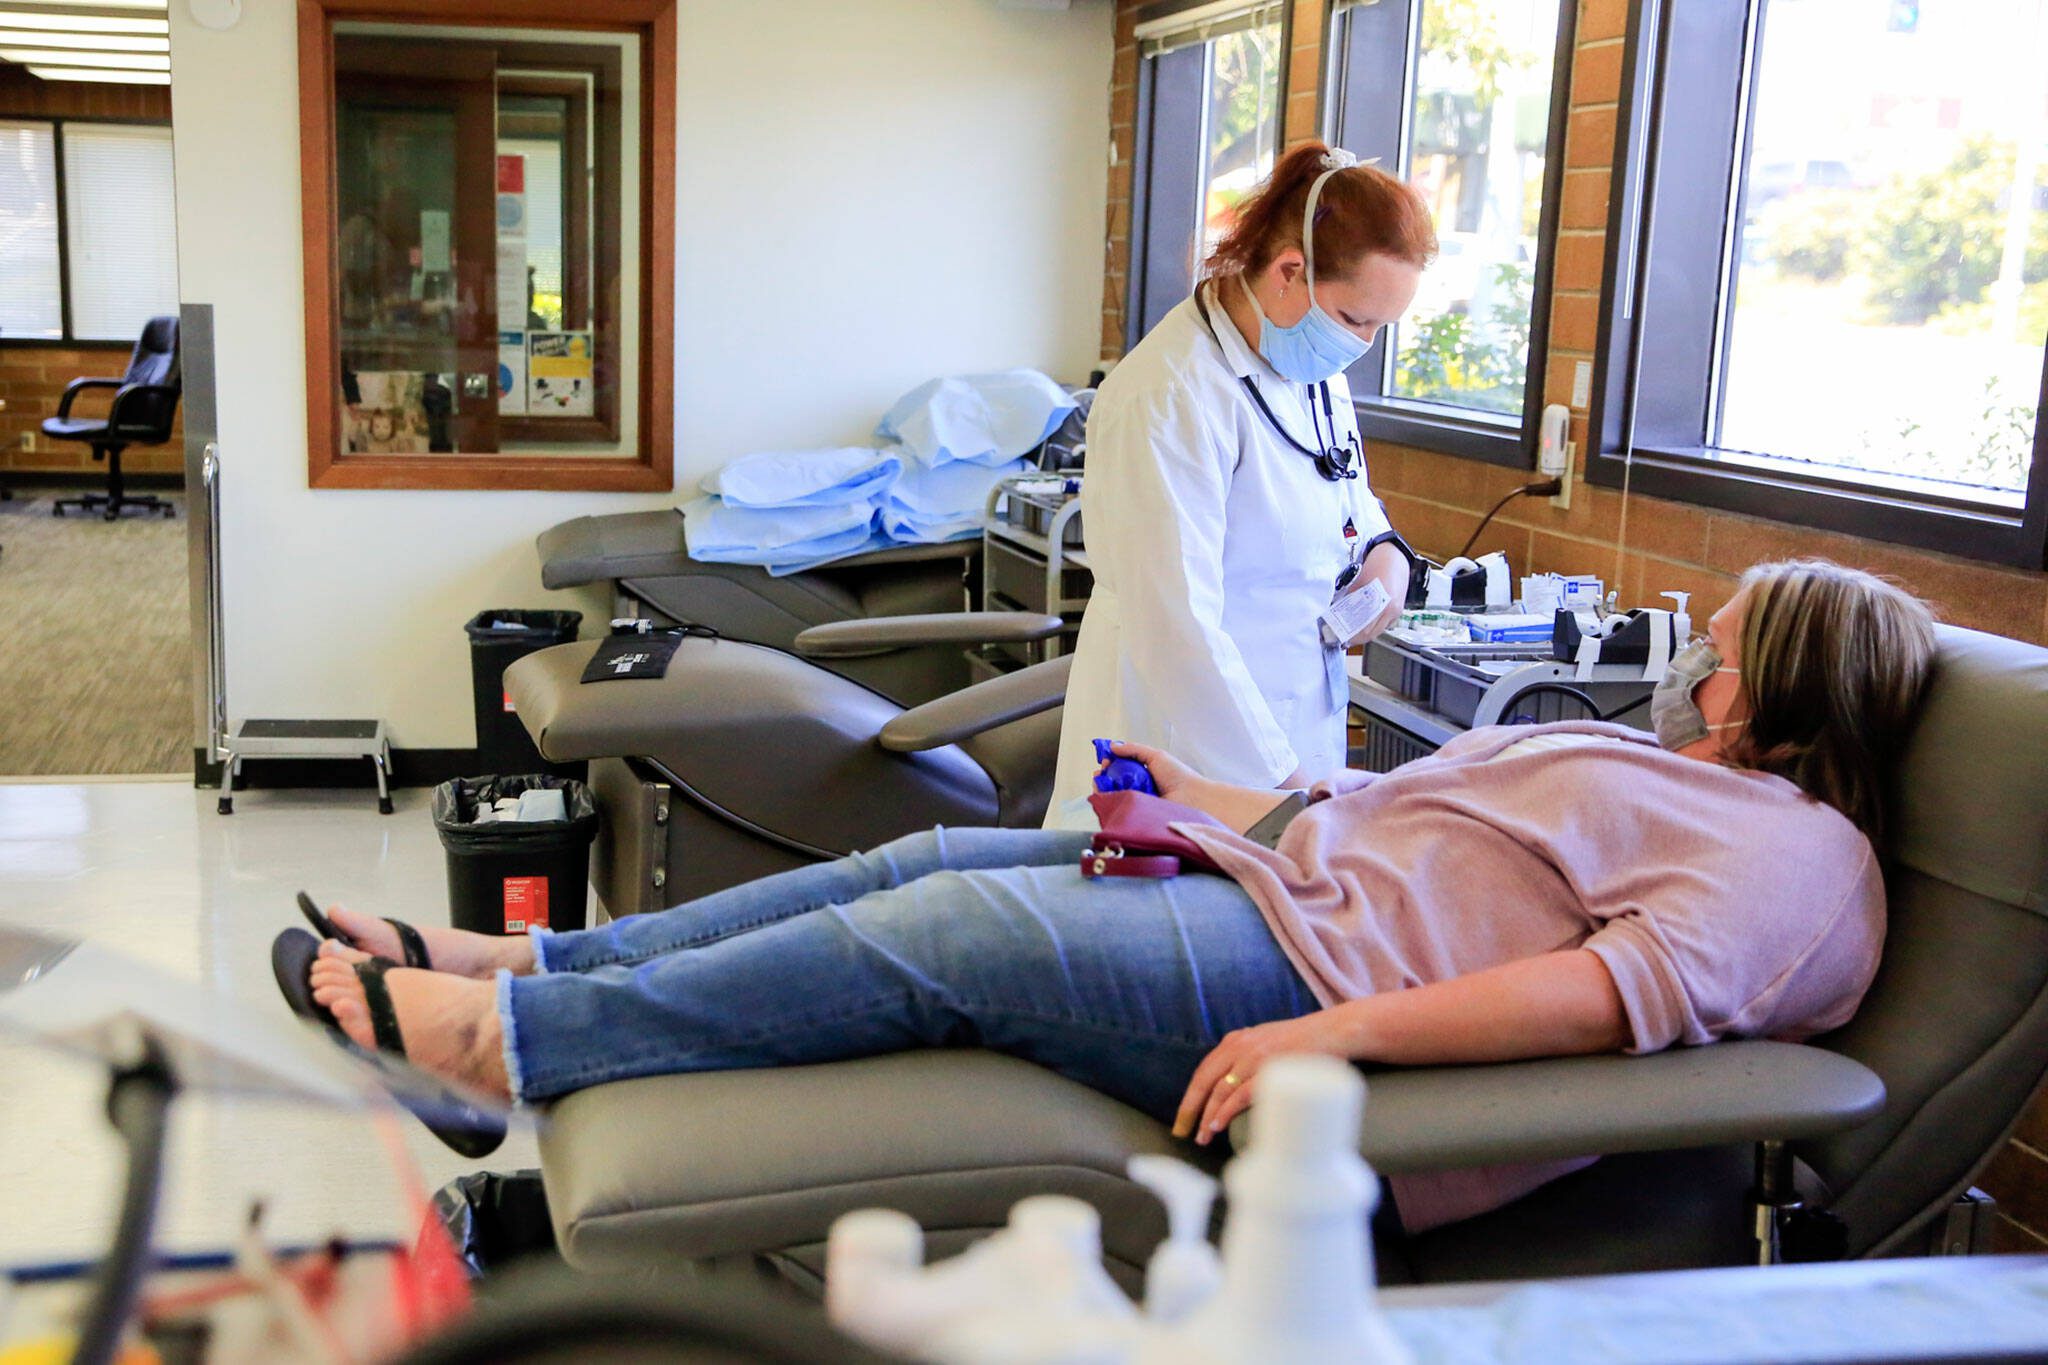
[(526, 904)]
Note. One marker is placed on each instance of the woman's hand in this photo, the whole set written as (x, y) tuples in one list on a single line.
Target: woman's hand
[(1175, 780), (1239, 808), (1223, 1084)]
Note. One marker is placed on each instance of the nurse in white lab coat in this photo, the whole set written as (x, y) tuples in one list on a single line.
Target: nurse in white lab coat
[(1226, 497)]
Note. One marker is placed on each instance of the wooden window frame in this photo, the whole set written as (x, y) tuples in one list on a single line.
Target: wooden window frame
[(652, 469), (578, 251), (1678, 179), (1369, 83)]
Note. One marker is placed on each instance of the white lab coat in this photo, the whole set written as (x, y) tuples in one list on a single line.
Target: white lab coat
[(1214, 544)]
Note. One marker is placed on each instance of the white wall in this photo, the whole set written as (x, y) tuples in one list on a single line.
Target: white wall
[(870, 193)]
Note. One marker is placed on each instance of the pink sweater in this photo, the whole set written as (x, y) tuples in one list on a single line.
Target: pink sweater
[(1723, 902)]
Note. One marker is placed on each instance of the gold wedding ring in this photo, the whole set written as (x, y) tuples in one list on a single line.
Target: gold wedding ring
[(1230, 1079)]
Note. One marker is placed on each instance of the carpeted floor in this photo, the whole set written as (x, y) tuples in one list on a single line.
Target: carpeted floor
[(95, 643)]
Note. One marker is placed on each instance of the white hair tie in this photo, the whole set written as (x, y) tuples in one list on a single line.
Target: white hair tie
[(1334, 160)]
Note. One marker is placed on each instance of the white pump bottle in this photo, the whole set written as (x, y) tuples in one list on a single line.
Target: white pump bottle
[(1297, 1252), (1294, 1282)]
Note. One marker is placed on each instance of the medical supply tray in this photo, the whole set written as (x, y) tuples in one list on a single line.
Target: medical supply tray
[(1034, 512), (1469, 685)]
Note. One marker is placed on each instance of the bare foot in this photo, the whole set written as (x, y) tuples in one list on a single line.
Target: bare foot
[(450, 1025), (456, 951)]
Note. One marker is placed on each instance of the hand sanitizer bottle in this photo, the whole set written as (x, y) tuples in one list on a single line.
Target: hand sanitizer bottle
[(1681, 622), (1297, 1255), (1185, 1272)]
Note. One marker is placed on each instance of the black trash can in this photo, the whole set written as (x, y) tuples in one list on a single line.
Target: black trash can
[(507, 877), (496, 640)]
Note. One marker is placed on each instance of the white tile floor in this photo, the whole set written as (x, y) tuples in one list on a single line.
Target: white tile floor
[(150, 869)]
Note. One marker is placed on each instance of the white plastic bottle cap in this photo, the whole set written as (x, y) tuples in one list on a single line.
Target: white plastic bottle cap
[(1307, 1104), (1073, 1223), (876, 1237)]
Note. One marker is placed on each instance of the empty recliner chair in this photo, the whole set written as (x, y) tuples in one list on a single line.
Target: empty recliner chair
[(1879, 1125), (745, 760), (645, 557)]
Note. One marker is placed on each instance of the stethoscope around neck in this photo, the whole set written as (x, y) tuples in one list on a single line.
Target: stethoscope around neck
[(1340, 458)]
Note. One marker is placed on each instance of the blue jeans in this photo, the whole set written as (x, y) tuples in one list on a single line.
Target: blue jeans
[(956, 938)]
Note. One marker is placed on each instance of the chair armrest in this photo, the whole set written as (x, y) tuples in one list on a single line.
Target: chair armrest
[(972, 710), (78, 386), (886, 634), (1435, 1118)]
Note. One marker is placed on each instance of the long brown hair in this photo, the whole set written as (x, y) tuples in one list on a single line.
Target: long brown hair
[(1363, 211), (1834, 663)]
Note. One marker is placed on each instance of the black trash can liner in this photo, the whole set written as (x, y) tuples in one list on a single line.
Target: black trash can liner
[(510, 876), (497, 640), (495, 1218)]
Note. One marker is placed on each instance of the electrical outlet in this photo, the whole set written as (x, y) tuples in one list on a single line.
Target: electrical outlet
[(1563, 496), (28, 441), (1582, 384)]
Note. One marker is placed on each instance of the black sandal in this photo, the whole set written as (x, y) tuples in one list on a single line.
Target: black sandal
[(292, 955), (410, 943)]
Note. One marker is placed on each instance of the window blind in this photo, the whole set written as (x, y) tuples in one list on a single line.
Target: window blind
[(1202, 24), (121, 221), (30, 285)]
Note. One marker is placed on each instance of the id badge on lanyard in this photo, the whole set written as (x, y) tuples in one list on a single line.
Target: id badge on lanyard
[(1332, 630)]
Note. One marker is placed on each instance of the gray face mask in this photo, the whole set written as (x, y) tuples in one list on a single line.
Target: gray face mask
[(1674, 716)]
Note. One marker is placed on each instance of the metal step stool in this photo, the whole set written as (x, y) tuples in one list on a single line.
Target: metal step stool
[(268, 739)]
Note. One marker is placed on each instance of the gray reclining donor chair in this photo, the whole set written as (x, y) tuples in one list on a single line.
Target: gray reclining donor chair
[(744, 760), (1881, 1124), (645, 558)]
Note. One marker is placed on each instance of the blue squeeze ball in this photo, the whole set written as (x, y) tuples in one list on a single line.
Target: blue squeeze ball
[(1122, 774)]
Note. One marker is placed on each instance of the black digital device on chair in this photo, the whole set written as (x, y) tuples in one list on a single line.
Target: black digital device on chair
[(1275, 821)]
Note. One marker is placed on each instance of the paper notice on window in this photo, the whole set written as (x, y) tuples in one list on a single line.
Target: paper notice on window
[(511, 284), (511, 194), (1348, 618), (434, 257), (560, 375), (511, 374)]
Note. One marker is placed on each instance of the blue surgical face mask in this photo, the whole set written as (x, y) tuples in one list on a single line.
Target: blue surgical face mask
[(1318, 346)]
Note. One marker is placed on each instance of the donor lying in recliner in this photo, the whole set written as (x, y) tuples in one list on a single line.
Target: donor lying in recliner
[(1525, 892)]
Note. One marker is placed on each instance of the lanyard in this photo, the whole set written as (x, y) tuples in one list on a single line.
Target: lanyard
[(1337, 460)]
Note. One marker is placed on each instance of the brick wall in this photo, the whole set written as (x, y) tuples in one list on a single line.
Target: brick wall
[(1123, 142), (1435, 500), (32, 377)]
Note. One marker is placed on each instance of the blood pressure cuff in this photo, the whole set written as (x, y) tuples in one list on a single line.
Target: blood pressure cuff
[(1418, 568), (1393, 538)]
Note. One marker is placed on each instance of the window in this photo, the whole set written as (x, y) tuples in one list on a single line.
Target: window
[(31, 281), (119, 212), (104, 263), (1209, 94), (1241, 127), (489, 254), (1457, 97), (1830, 298)]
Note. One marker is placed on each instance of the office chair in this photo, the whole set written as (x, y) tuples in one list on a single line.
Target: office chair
[(145, 404)]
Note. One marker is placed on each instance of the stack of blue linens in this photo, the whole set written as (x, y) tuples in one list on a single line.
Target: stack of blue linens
[(939, 452)]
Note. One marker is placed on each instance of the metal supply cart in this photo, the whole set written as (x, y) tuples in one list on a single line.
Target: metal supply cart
[(1416, 697), (1033, 560)]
